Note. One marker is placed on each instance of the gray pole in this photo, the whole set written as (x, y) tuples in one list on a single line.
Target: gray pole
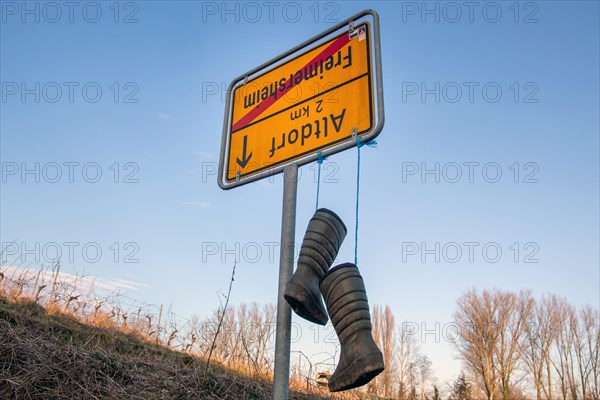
[(286, 268)]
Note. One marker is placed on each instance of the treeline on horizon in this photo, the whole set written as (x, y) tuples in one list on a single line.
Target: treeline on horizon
[(512, 345)]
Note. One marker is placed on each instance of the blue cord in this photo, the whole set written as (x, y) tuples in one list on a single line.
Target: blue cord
[(320, 160)]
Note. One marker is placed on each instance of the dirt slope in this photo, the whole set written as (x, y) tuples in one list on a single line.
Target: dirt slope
[(54, 356)]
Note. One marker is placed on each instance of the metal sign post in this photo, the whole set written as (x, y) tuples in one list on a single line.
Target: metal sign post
[(286, 268)]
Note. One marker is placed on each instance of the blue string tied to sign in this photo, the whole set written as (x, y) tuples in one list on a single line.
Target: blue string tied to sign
[(320, 160), (373, 144)]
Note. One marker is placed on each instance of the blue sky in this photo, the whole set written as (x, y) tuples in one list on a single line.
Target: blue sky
[(154, 134)]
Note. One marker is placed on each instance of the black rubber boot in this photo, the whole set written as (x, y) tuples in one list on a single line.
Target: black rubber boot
[(346, 299), (322, 240)]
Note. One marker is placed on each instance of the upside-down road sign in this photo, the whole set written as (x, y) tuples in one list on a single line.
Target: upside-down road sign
[(318, 99)]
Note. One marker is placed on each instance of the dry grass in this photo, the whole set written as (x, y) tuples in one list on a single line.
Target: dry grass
[(47, 355), (59, 342)]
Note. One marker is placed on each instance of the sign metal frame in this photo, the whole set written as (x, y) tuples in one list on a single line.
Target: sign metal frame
[(274, 63)]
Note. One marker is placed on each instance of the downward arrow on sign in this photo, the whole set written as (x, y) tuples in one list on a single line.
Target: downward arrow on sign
[(244, 161)]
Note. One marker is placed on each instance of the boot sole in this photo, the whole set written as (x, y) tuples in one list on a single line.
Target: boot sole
[(354, 376), (302, 302)]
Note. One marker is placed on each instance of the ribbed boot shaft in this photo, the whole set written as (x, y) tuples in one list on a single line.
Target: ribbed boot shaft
[(345, 296), (322, 240), (346, 300)]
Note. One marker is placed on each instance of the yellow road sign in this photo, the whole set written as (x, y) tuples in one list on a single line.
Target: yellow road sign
[(310, 103)]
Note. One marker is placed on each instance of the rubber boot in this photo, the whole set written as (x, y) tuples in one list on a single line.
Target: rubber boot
[(322, 240), (345, 296)]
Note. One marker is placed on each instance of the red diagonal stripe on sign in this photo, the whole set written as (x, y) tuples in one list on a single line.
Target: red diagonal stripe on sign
[(336, 45)]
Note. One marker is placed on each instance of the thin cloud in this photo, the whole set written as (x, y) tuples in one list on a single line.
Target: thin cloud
[(123, 283), (163, 116), (196, 203), (205, 155), (83, 283)]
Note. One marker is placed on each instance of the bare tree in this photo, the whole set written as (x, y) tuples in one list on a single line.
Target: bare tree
[(478, 337), (591, 328), (586, 348), (384, 333), (244, 337), (257, 336), (540, 336), (407, 353), (376, 319), (424, 374), (581, 358), (563, 362), (513, 313)]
